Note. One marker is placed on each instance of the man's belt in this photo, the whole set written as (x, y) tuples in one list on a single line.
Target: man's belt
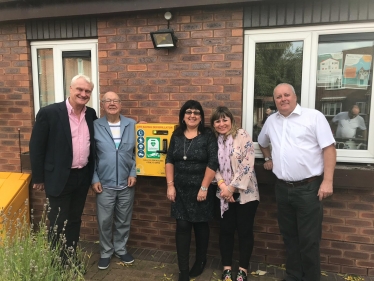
[(299, 183)]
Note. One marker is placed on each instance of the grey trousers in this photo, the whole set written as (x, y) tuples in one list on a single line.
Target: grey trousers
[(114, 212)]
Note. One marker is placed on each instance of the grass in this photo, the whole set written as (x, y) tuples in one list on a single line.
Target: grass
[(26, 254)]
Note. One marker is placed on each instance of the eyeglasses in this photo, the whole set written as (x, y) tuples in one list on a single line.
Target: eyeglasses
[(189, 112), (110, 101)]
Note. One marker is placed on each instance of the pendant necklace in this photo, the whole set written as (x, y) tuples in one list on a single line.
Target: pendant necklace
[(184, 148)]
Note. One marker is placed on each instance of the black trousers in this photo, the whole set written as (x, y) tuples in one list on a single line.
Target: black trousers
[(238, 217), (68, 206), (300, 215), (183, 241)]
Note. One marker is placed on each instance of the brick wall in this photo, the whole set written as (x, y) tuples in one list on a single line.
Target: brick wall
[(347, 237), (15, 95), (206, 66)]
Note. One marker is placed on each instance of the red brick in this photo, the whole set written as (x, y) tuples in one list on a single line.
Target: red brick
[(356, 255), (136, 22), (172, 120), (221, 81), (237, 49), (158, 96), (139, 67), (353, 270), (146, 29), (333, 220), (341, 261), (201, 34), (212, 88), (366, 215), (344, 213), (190, 73), (359, 223), (201, 50), (237, 32), (107, 46), (187, 89), (358, 238), (202, 97), (369, 231), (332, 236), (202, 18), (127, 45), (145, 45), (126, 30), (216, 57), (202, 81), (157, 67), (330, 267), (106, 31), (275, 260), (366, 248)]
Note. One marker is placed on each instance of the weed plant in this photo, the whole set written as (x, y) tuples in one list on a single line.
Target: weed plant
[(27, 255)]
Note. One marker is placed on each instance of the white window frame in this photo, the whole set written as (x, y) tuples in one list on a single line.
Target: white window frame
[(326, 106), (58, 47), (310, 36), (363, 107)]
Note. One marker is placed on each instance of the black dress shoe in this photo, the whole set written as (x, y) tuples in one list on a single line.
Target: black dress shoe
[(197, 268), (183, 275)]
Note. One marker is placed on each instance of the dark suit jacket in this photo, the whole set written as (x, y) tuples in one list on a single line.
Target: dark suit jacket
[(51, 149)]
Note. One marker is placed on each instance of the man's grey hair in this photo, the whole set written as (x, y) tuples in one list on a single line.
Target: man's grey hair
[(289, 85), (85, 77)]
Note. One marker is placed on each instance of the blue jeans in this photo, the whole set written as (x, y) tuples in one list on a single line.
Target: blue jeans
[(300, 215)]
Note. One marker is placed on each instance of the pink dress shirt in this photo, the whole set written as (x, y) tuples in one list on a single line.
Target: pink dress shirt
[(80, 137)]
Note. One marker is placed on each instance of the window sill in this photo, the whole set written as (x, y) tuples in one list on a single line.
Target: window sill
[(345, 175)]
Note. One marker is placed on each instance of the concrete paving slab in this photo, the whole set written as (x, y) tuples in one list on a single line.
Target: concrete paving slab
[(156, 265)]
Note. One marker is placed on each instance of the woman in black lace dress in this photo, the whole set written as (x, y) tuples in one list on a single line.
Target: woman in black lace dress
[(191, 164)]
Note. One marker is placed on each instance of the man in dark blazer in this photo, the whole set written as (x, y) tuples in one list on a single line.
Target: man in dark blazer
[(62, 158)]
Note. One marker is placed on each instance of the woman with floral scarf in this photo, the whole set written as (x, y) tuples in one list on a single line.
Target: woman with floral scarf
[(237, 191)]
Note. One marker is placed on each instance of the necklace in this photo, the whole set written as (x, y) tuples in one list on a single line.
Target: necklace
[(184, 148)]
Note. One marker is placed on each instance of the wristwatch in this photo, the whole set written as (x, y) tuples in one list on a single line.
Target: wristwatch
[(268, 158), (203, 188)]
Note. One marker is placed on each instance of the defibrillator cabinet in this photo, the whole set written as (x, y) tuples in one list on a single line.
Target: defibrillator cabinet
[(152, 143)]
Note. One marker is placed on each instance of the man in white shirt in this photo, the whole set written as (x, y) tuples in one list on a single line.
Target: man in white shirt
[(303, 158), (348, 122)]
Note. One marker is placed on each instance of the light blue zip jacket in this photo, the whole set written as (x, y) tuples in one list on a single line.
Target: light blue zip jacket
[(112, 166)]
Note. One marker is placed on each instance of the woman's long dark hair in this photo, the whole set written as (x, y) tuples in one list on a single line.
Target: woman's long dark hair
[(190, 104)]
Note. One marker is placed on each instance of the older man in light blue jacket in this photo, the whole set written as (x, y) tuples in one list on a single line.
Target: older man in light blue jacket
[(114, 179)]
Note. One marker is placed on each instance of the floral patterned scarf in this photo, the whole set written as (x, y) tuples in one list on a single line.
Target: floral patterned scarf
[(224, 152)]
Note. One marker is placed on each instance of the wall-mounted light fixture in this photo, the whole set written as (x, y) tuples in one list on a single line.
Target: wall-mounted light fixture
[(164, 38)]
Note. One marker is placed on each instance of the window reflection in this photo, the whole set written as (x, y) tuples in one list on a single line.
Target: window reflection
[(276, 62), (75, 62), (46, 78), (343, 94)]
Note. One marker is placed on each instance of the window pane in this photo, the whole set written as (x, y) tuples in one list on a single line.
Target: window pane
[(279, 62), (344, 81), (46, 78), (74, 63)]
